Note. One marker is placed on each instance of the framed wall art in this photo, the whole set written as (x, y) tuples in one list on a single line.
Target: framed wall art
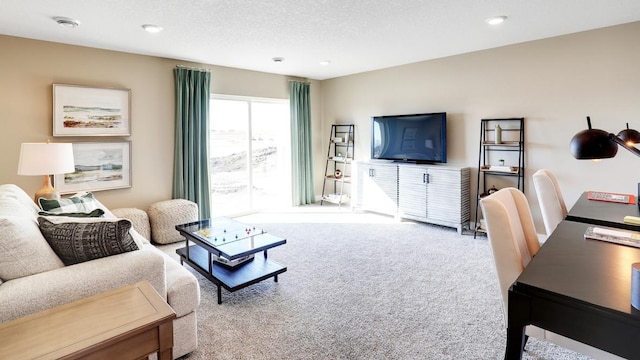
[(99, 166), (89, 111)]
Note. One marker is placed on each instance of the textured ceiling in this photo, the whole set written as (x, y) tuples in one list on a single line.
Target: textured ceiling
[(354, 35)]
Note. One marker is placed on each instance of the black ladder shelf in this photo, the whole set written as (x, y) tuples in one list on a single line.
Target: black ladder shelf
[(500, 156)]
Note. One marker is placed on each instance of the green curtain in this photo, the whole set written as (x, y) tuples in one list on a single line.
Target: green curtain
[(191, 152), (302, 157)]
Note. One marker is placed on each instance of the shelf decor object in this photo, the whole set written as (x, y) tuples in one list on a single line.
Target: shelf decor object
[(45, 159), (88, 111), (98, 166), (593, 144)]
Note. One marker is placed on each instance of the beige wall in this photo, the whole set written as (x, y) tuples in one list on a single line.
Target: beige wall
[(28, 68), (553, 83)]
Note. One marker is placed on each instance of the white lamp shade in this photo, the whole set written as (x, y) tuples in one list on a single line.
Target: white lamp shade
[(46, 159)]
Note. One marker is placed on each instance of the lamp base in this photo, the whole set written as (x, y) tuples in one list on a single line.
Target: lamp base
[(47, 191)]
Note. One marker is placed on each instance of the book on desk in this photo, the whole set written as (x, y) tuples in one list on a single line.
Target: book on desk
[(616, 236), (611, 197)]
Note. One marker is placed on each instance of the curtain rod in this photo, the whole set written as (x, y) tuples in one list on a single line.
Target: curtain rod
[(303, 82), (192, 68)]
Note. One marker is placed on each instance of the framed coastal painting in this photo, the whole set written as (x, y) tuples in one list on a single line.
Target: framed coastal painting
[(98, 166), (88, 111)]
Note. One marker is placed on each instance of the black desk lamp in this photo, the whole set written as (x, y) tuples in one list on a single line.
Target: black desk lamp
[(593, 144), (629, 136)]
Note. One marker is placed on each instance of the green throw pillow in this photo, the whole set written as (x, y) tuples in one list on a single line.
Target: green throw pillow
[(95, 213), (79, 241), (84, 203)]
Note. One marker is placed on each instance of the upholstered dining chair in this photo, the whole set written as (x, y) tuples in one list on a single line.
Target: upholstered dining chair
[(552, 205), (514, 242), (512, 235)]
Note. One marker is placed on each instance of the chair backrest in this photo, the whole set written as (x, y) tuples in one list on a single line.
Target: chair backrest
[(550, 198), (512, 235)]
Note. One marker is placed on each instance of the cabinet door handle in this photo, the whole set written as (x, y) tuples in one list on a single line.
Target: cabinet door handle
[(424, 178), (427, 175)]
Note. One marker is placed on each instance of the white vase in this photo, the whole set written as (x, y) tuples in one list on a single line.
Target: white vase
[(498, 136)]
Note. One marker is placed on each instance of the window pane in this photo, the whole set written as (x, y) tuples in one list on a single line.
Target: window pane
[(270, 154), (229, 149), (240, 126)]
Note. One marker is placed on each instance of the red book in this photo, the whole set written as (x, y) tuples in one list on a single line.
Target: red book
[(611, 197)]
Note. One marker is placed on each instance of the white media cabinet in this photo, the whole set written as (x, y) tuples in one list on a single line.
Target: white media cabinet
[(436, 194)]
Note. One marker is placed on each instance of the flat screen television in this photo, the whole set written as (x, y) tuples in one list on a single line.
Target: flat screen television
[(419, 138)]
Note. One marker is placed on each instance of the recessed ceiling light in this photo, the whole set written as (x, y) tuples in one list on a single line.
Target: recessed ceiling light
[(495, 20), (152, 28), (325, 62), (278, 59), (66, 22)]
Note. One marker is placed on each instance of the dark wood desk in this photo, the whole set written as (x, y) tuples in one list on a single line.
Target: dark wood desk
[(603, 213), (580, 289)]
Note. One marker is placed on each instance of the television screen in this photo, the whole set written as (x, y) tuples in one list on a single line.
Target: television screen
[(420, 138)]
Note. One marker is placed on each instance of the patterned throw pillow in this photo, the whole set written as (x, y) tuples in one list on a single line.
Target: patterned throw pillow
[(76, 242), (83, 203)]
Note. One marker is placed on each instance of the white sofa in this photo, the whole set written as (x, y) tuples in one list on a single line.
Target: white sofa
[(33, 278)]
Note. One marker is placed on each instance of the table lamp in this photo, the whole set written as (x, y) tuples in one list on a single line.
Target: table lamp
[(46, 159)]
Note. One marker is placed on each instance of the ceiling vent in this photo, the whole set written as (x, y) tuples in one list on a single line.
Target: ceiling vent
[(66, 22)]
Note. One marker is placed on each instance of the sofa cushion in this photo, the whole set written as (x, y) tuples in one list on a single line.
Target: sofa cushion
[(15, 192), (45, 290), (23, 250), (10, 206), (78, 203), (77, 241)]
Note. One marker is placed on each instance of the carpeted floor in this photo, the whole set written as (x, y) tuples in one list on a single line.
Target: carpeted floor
[(364, 288)]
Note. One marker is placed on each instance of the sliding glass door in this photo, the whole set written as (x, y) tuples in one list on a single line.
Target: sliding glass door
[(250, 154)]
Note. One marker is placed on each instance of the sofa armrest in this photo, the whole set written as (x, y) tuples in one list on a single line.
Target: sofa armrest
[(30, 294), (183, 290)]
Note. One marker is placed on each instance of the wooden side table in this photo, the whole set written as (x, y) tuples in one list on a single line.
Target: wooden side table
[(130, 322)]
